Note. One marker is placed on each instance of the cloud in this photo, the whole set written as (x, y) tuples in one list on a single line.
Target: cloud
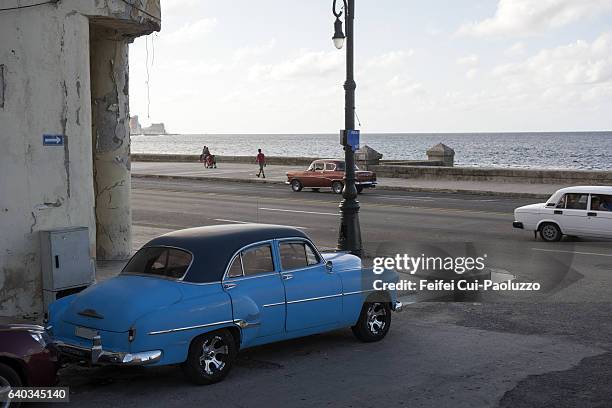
[(191, 31), (565, 75), (526, 17), (468, 60), (517, 49), (577, 63), (246, 53), (309, 64), (390, 59)]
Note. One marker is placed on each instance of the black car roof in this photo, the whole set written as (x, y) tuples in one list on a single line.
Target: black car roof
[(213, 246)]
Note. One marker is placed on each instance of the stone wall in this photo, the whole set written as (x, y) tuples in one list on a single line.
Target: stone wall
[(500, 175)]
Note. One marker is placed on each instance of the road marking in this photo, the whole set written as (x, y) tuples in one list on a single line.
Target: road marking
[(298, 211), (249, 222), (570, 252)]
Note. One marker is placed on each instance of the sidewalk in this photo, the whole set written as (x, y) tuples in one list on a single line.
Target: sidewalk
[(240, 172)]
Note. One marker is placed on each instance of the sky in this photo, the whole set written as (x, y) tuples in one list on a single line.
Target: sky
[(269, 66)]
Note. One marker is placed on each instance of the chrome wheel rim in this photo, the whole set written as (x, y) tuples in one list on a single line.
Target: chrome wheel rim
[(5, 387), (214, 355), (549, 232), (337, 188), (376, 318)]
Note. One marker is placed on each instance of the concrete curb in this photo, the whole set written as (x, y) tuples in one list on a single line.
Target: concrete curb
[(378, 187)]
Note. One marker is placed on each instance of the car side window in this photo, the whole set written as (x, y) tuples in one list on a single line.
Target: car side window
[(330, 167), (319, 166), (601, 202), (576, 201), (295, 255), (235, 270), (257, 260)]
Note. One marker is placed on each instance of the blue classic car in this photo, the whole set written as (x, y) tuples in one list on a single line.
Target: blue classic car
[(197, 296)]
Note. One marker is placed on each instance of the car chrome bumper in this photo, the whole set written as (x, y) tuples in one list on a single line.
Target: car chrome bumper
[(518, 224), (97, 355), (397, 306)]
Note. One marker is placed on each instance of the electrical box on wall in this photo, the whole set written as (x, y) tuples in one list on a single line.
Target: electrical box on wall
[(67, 265)]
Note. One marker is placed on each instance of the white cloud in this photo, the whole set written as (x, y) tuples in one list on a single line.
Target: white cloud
[(517, 49), (526, 17), (191, 31), (246, 53), (468, 60), (390, 59), (563, 76), (309, 64), (577, 63), (472, 73)]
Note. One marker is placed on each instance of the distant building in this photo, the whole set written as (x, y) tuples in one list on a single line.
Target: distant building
[(154, 129)]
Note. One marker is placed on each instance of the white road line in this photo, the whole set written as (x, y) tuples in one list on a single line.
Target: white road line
[(570, 252), (297, 211), (248, 222)]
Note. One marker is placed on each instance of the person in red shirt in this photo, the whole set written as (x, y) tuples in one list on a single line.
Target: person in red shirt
[(261, 160)]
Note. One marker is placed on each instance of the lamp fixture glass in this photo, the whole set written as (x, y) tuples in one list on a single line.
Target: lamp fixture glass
[(338, 34)]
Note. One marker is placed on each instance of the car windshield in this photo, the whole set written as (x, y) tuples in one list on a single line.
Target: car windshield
[(159, 261)]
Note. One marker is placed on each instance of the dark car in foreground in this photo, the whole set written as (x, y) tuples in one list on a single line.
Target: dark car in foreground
[(196, 297), (329, 173), (27, 358)]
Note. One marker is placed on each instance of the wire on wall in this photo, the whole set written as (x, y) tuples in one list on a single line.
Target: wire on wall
[(133, 5), (30, 5)]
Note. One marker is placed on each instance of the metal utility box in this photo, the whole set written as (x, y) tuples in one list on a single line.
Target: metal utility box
[(67, 266)]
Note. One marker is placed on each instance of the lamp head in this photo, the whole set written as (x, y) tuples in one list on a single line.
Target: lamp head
[(338, 34)]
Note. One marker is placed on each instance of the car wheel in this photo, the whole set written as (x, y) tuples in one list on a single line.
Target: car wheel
[(550, 232), (337, 187), (8, 379), (296, 185), (359, 189), (374, 322), (210, 357)]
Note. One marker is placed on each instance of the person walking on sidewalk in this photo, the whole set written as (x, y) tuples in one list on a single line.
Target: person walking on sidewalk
[(261, 160)]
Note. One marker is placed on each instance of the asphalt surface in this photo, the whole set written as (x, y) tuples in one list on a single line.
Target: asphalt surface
[(551, 348)]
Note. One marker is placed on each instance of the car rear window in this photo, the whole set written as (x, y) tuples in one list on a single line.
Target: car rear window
[(159, 261)]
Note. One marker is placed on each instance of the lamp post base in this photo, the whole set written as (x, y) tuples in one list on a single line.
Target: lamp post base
[(350, 230)]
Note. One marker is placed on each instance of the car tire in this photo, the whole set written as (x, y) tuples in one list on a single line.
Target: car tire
[(374, 322), (296, 186), (550, 232), (359, 189), (9, 377), (210, 357), (337, 187)]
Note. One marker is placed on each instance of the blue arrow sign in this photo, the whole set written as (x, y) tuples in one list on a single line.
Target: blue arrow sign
[(53, 140)]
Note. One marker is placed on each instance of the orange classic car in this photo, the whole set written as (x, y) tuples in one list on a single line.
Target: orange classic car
[(328, 173)]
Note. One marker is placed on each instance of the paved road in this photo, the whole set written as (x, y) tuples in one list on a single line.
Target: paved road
[(551, 349)]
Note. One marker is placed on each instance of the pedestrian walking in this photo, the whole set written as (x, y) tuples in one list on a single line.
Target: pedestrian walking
[(261, 160)]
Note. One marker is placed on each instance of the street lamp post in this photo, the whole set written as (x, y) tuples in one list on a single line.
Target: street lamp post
[(350, 232)]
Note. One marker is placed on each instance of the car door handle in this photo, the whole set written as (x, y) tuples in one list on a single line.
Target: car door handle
[(228, 286), (287, 276), (592, 214), (558, 212)]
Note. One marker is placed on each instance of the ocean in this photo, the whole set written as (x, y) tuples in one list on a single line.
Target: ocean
[(553, 150)]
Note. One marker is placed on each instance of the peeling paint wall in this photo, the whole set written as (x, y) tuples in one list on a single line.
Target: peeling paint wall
[(110, 115), (45, 54)]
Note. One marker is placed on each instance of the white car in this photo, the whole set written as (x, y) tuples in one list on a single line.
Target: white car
[(577, 211)]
